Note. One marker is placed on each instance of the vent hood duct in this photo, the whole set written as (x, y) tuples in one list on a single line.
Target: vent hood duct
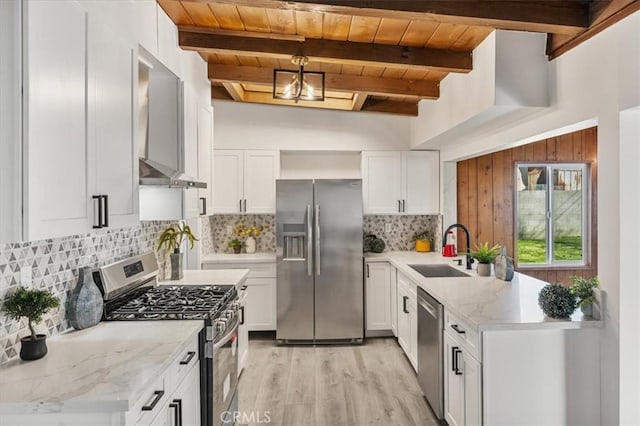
[(153, 173)]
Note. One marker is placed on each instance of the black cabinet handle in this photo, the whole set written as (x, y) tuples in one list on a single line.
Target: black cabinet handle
[(105, 223), (158, 396), (404, 304), (404, 210), (454, 360), (399, 206), (240, 205), (245, 205), (457, 329), (188, 358), (97, 198), (176, 404), (367, 270), (242, 312), (203, 212)]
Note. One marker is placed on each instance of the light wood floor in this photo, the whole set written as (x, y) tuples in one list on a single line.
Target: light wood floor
[(362, 385)]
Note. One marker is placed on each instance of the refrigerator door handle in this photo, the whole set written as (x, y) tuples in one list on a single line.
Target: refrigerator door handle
[(309, 240), (317, 239)]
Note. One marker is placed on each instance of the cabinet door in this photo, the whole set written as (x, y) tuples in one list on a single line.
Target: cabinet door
[(394, 301), (205, 157), (191, 160), (453, 383), (112, 70), (378, 295), (471, 371), (381, 182), (243, 338), (58, 176), (227, 181), (404, 325), (420, 182), (261, 169), (413, 330), (261, 304), (187, 398)]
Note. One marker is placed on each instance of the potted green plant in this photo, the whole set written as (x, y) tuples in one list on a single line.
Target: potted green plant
[(236, 245), (171, 239), (485, 255), (582, 289), (423, 240), (31, 304)]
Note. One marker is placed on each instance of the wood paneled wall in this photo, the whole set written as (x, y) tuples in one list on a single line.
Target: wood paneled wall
[(486, 195)]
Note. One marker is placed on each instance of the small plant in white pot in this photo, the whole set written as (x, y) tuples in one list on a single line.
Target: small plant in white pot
[(31, 304), (172, 239), (582, 289), (485, 256)]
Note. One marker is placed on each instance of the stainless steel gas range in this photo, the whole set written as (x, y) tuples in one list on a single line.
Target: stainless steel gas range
[(131, 293)]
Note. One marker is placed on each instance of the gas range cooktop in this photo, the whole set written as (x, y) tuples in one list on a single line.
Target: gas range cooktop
[(182, 302)]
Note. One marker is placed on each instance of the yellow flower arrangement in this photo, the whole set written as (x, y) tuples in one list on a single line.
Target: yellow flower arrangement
[(251, 231)]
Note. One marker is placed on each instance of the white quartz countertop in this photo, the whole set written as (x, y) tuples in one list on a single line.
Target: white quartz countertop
[(486, 303), (105, 368), (233, 277), (239, 258)]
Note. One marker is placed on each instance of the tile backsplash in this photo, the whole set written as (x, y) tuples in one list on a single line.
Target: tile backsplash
[(55, 264), (216, 235), (403, 228)]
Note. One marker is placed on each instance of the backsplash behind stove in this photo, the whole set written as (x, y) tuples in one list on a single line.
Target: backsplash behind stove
[(216, 235), (55, 263)]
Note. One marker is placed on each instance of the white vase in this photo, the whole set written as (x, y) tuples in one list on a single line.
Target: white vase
[(250, 246), (484, 269)]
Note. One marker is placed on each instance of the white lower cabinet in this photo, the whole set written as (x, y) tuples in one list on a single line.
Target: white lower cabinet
[(407, 308), (462, 384), (243, 332), (378, 296), (394, 301), (261, 304)]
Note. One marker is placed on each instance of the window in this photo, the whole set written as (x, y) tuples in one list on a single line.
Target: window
[(552, 214)]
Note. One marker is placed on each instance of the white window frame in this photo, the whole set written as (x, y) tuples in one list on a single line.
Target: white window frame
[(549, 167)]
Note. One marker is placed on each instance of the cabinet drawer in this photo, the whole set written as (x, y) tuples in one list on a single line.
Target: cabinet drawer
[(466, 336), (182, 364), (151, 403), (256, 270)]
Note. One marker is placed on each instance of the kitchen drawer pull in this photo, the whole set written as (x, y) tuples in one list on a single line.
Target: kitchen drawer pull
[(454, 354), (457, 329), (158, 396), (177, 405), (242, 312), (188, 358), (404, 304)]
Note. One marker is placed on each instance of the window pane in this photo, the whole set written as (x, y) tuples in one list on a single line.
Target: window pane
[(567, 215), (532, 224)]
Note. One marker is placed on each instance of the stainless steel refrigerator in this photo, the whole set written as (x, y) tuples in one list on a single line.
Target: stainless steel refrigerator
[(319, 260)]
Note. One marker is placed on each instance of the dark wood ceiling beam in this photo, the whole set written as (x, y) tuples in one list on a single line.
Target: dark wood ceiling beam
[(330, 51), (333, 82), (557, 16), (390, 107)]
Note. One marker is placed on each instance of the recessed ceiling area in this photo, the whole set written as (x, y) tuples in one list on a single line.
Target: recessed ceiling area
[(377, 56)]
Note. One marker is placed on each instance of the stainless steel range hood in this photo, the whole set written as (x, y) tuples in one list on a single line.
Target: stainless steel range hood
[(152, 173)]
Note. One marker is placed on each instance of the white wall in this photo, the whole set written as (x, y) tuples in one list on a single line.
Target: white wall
[(592, 83), (252, 126)]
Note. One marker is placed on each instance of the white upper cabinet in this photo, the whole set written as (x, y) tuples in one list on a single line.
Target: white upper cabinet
[(244, 181), (381, 186), (58, 177), (113, 70), (400, 182), (205, 157)]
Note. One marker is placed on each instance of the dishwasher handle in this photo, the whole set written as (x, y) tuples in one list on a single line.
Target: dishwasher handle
[(432, 310)]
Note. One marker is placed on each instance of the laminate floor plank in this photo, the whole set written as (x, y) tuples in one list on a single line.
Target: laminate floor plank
[(372, 384)]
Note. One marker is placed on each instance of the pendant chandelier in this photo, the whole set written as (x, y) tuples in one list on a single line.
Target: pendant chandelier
[(298, 84)]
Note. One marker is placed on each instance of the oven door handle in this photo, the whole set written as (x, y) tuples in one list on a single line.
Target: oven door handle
[(224, 340)]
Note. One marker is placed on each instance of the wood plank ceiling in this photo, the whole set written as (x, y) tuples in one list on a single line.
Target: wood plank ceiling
[(378, 56)]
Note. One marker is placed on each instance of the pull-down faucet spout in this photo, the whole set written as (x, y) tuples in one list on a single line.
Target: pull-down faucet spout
[(466, 231)]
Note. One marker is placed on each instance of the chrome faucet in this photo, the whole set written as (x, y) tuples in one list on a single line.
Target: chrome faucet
[(466, 231)]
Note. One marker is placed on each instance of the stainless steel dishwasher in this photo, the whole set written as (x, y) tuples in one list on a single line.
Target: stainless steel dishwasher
[(430, 367)]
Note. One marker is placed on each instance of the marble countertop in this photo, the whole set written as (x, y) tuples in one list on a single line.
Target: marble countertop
[(486, 303), (210, 277), (239, 258), (105, 368)]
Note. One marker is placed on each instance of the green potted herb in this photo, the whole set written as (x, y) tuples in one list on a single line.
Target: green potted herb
[(423, 240), (236, 245), (31, 304), (582, 289), (485, 256), (171, 239)]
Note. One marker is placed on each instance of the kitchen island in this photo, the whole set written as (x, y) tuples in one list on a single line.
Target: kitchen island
[(504, 362)]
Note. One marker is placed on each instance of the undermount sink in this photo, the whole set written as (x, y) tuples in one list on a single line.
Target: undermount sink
[(438, 271)]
